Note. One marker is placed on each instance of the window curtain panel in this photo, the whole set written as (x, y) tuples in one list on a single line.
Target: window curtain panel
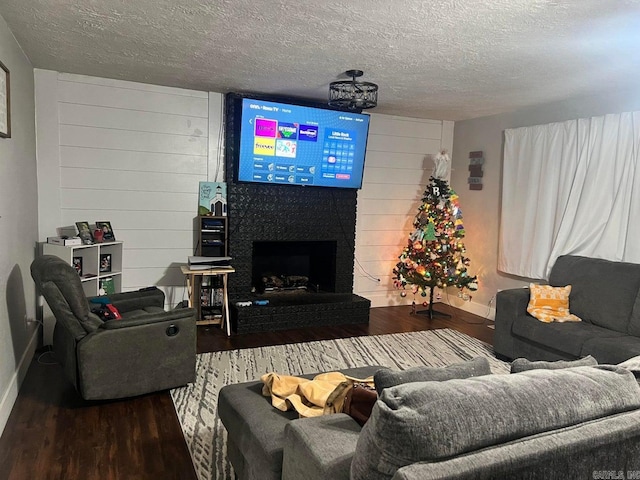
[(570, 188)]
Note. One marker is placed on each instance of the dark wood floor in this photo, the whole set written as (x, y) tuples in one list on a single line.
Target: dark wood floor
[(53, 434)]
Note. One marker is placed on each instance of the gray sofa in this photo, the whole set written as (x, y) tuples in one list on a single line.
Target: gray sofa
[(255, 429), (482, 427), (605, 295)]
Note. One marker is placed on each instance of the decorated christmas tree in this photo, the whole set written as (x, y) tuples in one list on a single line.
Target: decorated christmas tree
[(435, 254)]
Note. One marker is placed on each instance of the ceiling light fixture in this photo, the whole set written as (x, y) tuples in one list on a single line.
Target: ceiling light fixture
[(352, 94)]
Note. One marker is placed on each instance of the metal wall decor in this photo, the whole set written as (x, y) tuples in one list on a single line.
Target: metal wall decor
[(5, 103)]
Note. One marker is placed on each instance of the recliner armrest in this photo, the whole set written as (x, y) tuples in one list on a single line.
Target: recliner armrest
[(128, 301), (169, 316)]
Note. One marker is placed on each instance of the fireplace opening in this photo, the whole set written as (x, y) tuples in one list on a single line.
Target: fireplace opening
[(294, 266)]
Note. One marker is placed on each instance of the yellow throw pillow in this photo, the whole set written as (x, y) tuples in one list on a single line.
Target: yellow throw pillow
[(550, 304)]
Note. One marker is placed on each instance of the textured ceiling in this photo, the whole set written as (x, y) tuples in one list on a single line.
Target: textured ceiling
[(443, 59)]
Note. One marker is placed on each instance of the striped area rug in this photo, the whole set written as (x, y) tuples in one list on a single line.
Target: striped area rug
[(196, 403)]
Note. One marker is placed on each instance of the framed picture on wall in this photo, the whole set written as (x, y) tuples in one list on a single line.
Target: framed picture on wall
[(107, 231), (5, 103)]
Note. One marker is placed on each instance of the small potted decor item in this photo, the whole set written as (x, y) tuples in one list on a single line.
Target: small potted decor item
[(98, 236)]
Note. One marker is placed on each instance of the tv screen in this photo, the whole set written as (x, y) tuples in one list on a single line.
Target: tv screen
[(282, 143)]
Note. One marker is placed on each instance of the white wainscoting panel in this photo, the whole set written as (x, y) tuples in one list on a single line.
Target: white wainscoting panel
[(397, 170), (133, 154)]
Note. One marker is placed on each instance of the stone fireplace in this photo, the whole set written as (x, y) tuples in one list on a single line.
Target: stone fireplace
[(297, 232)]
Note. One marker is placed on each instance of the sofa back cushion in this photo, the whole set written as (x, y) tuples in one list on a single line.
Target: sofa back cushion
[(522, 364), (431, 421), (61, 287), (385, 377), (634, 321), (603, 292)]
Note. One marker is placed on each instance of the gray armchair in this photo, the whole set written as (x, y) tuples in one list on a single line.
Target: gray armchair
[(150, 349)]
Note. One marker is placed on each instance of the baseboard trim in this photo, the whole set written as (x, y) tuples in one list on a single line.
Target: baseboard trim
[(385, 300), (11, 393)]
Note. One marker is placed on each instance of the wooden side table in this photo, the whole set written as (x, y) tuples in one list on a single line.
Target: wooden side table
[(194, 296)]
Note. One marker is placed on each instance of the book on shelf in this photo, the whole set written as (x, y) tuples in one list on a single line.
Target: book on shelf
[(107, 284)]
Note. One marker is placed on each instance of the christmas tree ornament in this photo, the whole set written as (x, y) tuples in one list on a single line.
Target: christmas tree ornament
[(442, 164), (430, 231)]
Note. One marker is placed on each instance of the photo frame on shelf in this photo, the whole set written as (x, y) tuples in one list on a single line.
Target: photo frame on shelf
[(84, 232), (77, 264), (107, 231), (5, 102), (105, 262)]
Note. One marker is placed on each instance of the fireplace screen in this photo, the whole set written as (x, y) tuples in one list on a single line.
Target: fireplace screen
[(287, 266)]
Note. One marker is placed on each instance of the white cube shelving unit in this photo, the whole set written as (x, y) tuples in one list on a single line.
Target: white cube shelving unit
[(92, 275)]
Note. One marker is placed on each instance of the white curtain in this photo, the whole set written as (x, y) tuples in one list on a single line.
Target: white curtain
[(570, 188)]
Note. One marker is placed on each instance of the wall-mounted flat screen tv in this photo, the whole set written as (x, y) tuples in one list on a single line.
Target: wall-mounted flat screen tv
[(288, 144)]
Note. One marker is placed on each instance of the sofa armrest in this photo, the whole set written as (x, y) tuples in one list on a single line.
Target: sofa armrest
[(319, 448), (510, 304)]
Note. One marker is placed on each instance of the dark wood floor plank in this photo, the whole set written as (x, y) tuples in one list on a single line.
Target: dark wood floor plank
[(52, 434)]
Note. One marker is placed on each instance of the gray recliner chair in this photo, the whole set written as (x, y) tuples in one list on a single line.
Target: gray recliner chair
[(148, 350)]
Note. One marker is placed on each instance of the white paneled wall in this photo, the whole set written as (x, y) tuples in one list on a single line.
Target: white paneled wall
[(397, 170), (132, 154)]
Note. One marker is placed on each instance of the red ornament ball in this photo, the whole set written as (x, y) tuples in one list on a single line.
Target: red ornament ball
[(425, 304)]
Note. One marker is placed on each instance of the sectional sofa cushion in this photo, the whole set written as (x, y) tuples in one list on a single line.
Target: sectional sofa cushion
[(385, 378), (523, 365), (433, 421), (319, 448), (634, 321), (564, 337), (603, 292), (612, 350)]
